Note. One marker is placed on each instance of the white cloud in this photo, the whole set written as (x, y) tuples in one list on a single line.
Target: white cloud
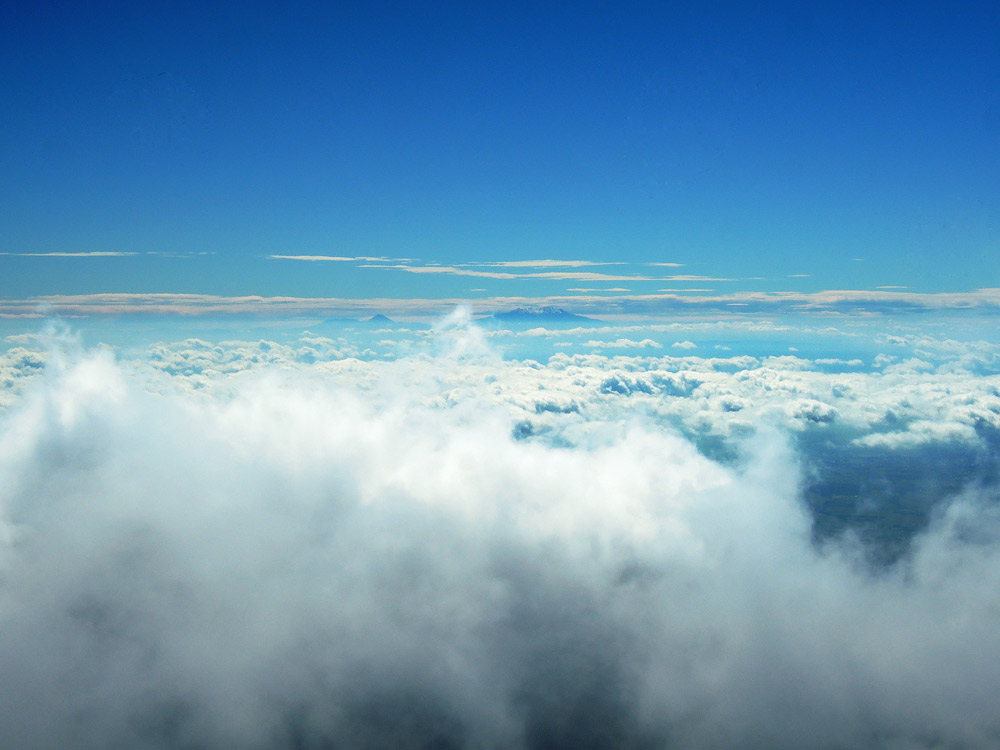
[(373, 559), (333, 258), (737, 305), (838, 361), (18, 366), (546, 263), (694, 278), (623, 343), (684, 345), (96, 254), (507, 275)]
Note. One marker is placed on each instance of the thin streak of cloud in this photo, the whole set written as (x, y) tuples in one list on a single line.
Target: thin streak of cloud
[(506, 275), (335, 258), (546, 263), (695, 278), (96, 254), (449, 270)]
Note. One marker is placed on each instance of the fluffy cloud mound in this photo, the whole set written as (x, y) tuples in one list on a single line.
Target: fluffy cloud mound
[(307, 560)]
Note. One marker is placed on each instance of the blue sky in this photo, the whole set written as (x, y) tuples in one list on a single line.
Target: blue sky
[(763, 148)]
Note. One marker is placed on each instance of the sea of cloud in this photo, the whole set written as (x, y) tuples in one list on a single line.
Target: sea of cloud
[(310, 544)]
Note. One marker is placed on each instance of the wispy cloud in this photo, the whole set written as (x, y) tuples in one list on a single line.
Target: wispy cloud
[(666, 265), (507, 275), (547, 263), (686, 290), (337, 258), (593, 289), (695, 278), (97, 254)]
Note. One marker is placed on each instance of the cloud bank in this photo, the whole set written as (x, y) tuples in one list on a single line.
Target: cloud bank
[(691, 301), (306, 560)]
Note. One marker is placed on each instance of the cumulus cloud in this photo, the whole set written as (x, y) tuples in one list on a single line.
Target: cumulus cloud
[(391, 559), (955, 389), (18, 365)]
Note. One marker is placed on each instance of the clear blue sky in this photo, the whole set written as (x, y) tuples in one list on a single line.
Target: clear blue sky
[(740, 140)]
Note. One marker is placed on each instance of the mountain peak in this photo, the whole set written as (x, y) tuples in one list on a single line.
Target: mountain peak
[(538, 313)]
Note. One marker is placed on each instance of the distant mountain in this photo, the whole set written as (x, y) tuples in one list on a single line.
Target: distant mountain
[(380, 321), (538, 315)]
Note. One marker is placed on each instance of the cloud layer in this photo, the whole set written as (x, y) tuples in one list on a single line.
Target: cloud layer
[(668, 303), (370, 556)]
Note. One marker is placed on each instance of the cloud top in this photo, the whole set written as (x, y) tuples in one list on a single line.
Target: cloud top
[(392, 561)]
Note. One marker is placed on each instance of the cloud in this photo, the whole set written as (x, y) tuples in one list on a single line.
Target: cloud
[(334, 258), (97, 254), (18, 366), (842, 302), (935, 380), (506, 275), (623, 343), (694, 278), (685, 290), (684, 345), (837, 361), (309, 561), (546, 263)]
